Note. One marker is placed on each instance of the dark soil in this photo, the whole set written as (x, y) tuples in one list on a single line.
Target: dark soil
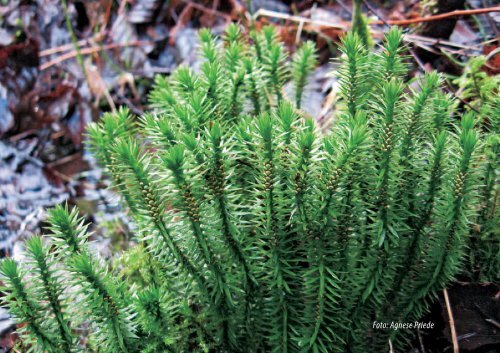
[(476, 312)]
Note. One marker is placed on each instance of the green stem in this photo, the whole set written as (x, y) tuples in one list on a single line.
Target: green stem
[(74, 39)]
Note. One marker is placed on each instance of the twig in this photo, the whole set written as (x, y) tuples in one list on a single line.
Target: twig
[(249, 14), (22, 135), (347, 9), (69, 46), (299, 32), (61, 176), (417, 59), (391, 350), (440, 16), (121, 9), (486, 42), (492, 54), (375, 12), (64, 160), (215, 5), (299, 19), (87, 51), (493, 322), (452, 322), (466, 336), (485, 316), (211, 11), (107, 16), (413, 38), (450, 90), (420, 340), (135, 109)]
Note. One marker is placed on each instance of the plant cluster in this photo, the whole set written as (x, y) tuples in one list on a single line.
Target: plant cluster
[(482, 93), (258, 233)]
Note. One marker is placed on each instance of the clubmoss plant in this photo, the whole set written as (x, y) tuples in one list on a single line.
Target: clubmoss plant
[(482, 93), (256, 232)]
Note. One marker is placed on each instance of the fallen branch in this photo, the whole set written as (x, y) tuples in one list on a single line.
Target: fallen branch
[(87, 51), (452, 322), (440, 16)]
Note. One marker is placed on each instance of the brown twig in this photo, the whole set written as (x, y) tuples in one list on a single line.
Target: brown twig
[(107, 16), (64, 160), (440, 16), (452, 322), (212, 11), (180, 23), (22, 135), (69, 46), (87, 51)]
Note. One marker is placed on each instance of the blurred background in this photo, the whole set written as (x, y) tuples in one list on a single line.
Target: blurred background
[(63, 63)]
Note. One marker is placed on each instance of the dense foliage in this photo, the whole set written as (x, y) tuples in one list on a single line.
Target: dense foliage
[(258, 233), (482, 93)]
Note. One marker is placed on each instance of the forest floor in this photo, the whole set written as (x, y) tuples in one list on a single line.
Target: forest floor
[(64, 63)]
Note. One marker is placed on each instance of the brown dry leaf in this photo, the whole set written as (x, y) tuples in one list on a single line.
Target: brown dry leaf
[(8, 341), (288, 34), (96, 84), (127, 79)]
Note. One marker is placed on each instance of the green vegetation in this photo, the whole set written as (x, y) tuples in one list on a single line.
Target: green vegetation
[(482, 93), (258, 233)]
